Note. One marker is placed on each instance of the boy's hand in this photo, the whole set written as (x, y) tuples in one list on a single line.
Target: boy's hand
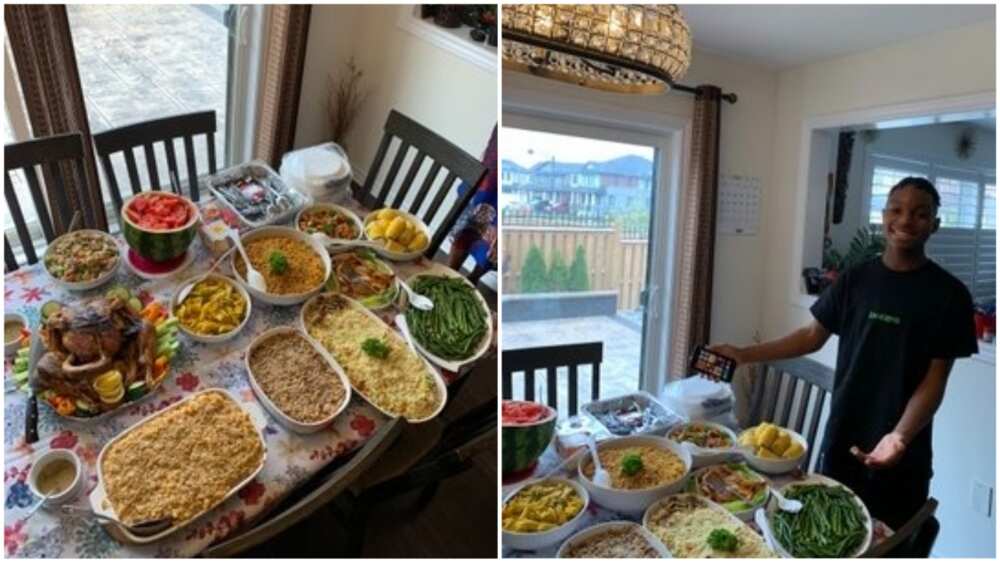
[(887, 453), (730, 351)]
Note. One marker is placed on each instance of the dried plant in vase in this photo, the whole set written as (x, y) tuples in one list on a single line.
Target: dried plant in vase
[(346, 99)]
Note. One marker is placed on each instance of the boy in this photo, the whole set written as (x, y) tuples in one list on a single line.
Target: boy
[(902, 320)]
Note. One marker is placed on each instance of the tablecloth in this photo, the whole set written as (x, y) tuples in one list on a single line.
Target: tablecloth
[(291, 458)]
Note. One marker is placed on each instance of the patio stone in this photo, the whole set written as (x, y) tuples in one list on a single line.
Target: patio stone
[(622, 353)]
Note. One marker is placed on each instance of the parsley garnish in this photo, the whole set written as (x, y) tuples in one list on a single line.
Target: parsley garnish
[(375, 348), (278, 262), (631, 464)]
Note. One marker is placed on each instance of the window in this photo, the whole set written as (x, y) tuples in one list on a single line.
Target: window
[(989, 220), (883, 178), (965, 245), (959, 202)]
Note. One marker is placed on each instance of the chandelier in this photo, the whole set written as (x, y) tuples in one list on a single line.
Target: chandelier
[(626, 48)]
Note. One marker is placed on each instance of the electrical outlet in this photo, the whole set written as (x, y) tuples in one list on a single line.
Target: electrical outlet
[(982, 498)]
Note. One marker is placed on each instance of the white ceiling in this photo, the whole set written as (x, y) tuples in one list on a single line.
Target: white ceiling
[(783, 36)]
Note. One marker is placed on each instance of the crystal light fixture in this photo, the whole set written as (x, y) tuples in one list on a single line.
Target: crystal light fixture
[(627, 48)]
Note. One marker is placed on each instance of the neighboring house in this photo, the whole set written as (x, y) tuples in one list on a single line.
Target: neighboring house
[(586, 188)]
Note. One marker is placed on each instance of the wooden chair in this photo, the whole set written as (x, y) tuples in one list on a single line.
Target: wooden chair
[(53, 216), (442, 154), (799, 383), (551, 358), (914, 539), (146, 134), (330, 486)]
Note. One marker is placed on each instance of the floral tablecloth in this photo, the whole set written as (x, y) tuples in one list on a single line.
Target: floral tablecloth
[(291, 458), (596, 514)]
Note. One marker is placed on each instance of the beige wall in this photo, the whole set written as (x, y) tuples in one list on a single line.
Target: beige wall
[(442, 91), (951, 63), (746, 148)]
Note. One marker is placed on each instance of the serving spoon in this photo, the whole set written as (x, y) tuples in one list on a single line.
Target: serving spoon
[(601, 476), (140, 529), (190, 286), (327, 241), (254, 278), (416, 299), (38, 505), (785, 504)]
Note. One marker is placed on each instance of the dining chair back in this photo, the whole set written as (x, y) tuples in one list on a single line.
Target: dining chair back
[(789, 391), (146, 134), (53, 207), (551, 358), (914, 539), (442, 157)]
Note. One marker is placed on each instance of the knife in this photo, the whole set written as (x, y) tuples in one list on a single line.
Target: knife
[(31, 415)]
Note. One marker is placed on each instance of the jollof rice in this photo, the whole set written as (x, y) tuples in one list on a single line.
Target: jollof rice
[(304, 268), (659, 467)]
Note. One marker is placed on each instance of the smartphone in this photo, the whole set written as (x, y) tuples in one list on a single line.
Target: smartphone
[(712, 364)]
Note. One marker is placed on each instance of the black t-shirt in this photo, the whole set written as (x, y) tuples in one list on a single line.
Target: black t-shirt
[(891, 324)]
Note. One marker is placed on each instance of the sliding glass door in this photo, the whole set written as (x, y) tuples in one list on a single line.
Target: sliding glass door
[(578, 205)]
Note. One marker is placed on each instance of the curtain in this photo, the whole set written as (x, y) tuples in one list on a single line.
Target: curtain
[(697, 250), (42, 49), (281, 81)]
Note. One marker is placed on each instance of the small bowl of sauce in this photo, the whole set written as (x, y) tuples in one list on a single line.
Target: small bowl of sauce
[(14, 325), (57, 476)]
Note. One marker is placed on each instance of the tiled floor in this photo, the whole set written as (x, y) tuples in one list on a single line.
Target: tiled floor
[(622, 338), (142, 62)]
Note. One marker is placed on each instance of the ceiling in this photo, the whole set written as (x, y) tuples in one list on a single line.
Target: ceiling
[(784, 36)]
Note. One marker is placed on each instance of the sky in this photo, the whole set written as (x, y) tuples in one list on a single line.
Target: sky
[(527, 148)]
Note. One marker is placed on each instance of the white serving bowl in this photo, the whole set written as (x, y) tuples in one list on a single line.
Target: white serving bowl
[(12, 347), (763, 517), (203, 338), (84, 285), (633, 502), (286, 232), (585, 534), (778, 466), (69, 493), (538, 541), (399, 256), (358, 225), (704, 456), (455, 365), (283, 418)]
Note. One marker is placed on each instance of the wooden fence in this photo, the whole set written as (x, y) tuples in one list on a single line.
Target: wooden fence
[(614, 263)]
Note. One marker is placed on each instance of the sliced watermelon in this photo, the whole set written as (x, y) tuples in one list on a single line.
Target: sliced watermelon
[(524, 441)]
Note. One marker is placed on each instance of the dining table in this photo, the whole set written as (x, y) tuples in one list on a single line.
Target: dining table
[(292, 458), (549, 465)]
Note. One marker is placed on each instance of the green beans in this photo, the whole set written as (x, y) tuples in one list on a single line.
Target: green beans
[(830, 525), (456, 326)]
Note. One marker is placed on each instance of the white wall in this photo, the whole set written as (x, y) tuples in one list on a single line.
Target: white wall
[(958, 62), (446, 93), (745, 149)]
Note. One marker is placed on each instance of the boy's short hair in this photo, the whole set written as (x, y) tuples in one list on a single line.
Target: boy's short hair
[(918, 183)]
